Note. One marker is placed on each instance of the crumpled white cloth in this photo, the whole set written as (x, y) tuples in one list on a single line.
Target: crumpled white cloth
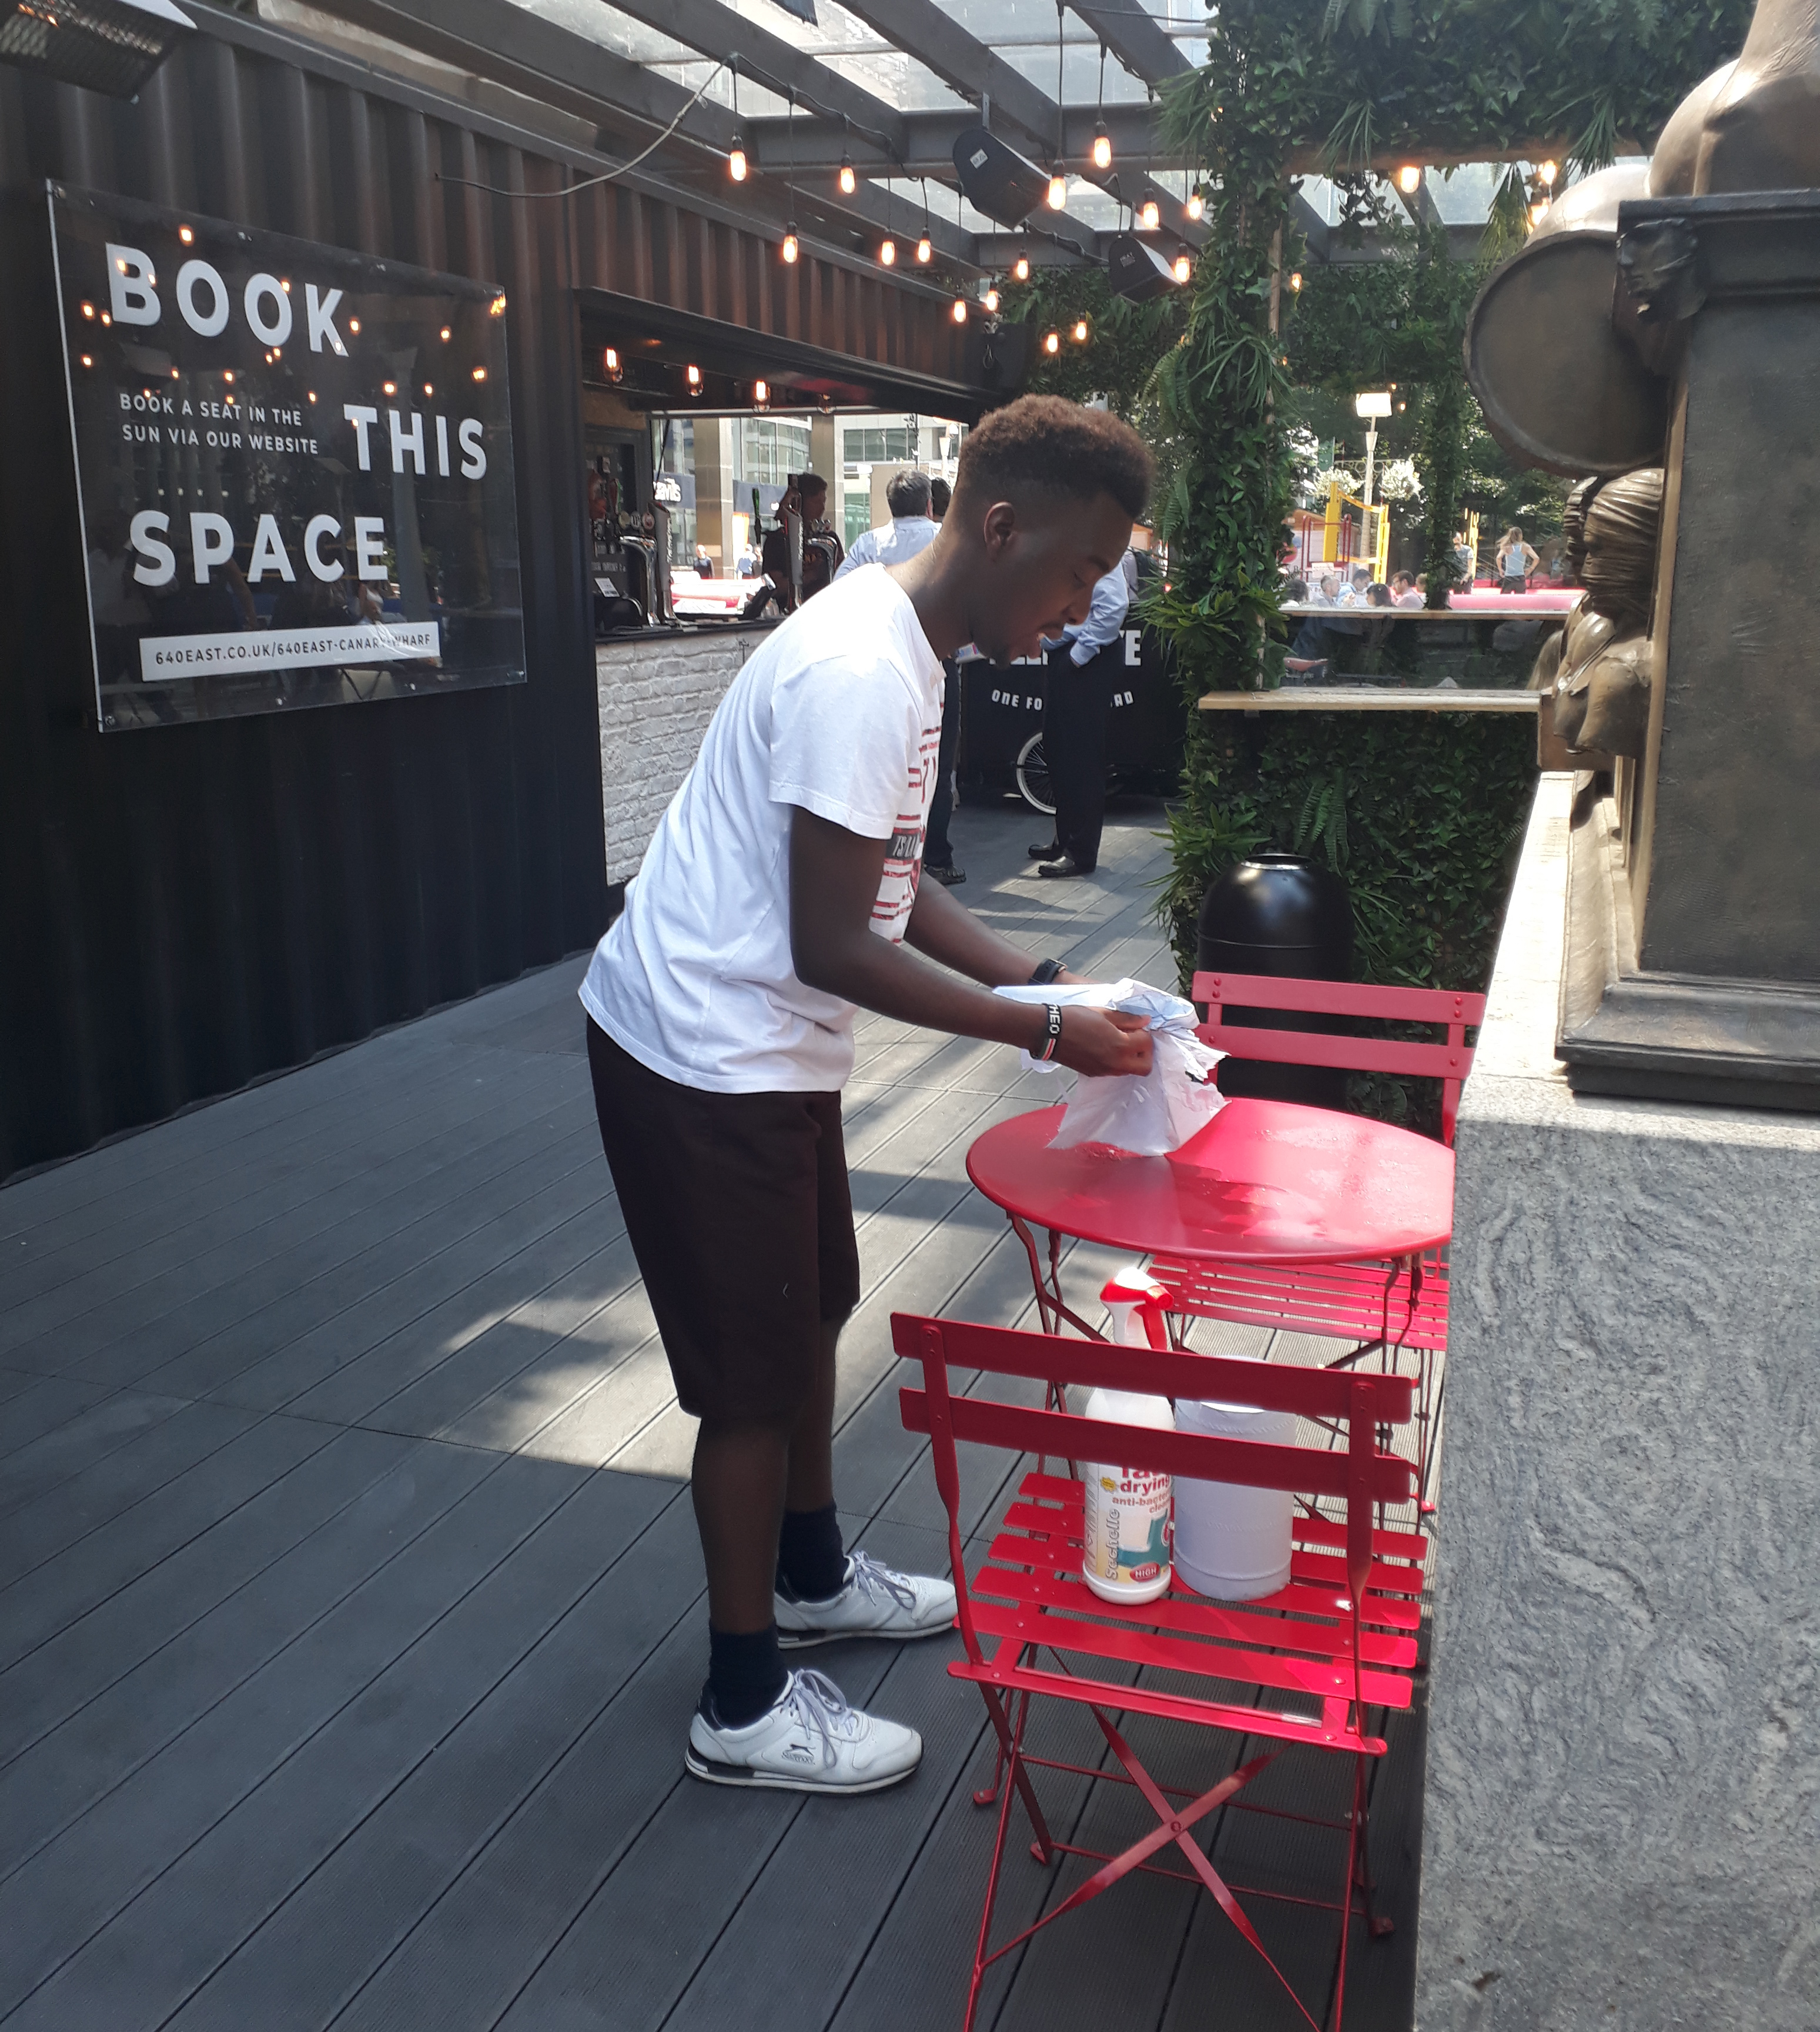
[(1147, 1115)]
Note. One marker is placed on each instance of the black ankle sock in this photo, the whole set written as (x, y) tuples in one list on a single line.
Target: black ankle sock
[(746, 1674), (811, 1564)]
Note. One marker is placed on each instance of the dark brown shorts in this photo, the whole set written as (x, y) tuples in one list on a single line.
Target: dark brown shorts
[(740, 1215)]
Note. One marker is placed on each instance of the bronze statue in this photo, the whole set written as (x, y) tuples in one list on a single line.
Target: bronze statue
[(1602, 690)]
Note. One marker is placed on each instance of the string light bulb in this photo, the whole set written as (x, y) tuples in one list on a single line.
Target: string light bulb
[(1058, 188), (1052, 342), (1183, 268), (959, 313), (1550, 172), (1080, 331), (990, 301), (761, 393), (1020, 267), (848, 182), (694, 374), (610, 360), (1295, 282), (736, 163), (1409, 179), (887, 253), (1149, 217), (1102, 147), (1195, 208), (792, 247), (925, 250)]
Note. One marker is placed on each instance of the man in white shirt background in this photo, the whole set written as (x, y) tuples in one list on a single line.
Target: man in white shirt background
[(1077, 696), (781, 893), (911, 528)]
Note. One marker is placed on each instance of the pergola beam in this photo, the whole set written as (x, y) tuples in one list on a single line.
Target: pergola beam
[(1135, 38), (722, 34), (929, 142)]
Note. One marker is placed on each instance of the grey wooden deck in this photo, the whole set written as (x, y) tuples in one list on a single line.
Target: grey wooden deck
[(351, 1613)]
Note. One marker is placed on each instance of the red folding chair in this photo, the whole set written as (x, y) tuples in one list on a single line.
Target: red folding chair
[(1338, 1642), (1381, 1308)]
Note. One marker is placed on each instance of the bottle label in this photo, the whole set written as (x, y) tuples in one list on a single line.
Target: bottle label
[(1127, 1524)]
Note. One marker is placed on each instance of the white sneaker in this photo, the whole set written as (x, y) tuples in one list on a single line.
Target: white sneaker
[(876, 1601), (811, 1741)]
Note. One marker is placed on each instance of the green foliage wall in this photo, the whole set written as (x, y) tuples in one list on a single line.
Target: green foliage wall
[(1422, 812), (1124, 339)]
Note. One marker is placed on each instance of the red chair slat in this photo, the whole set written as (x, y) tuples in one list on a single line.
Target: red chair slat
[(1339, 998), (1202, 1458)]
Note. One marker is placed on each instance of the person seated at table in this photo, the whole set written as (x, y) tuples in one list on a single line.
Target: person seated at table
[(1295, 590), (1403, 591), (1353, 593), (1378, 594), (780, 895), (1327, 592)]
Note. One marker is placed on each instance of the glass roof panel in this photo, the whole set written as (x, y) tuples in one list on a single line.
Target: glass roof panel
[(1022, 31)]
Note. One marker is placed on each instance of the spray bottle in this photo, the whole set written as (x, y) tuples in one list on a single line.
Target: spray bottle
[(1126, 1556)]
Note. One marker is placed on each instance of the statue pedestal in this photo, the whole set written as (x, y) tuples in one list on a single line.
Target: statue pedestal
[(1624, 1753), (1696, 950)]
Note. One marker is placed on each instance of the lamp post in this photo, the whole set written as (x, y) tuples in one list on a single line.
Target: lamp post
[(1371, 407)]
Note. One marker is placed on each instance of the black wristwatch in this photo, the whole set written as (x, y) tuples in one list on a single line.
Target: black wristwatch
[(1046, 970)]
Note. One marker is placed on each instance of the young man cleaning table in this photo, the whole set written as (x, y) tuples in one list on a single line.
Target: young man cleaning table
[(780, 894)]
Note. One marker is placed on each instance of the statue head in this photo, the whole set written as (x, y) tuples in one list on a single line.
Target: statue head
[(1618, 568)]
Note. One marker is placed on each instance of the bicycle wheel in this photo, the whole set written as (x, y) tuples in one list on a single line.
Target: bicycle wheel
[(1033, 783)]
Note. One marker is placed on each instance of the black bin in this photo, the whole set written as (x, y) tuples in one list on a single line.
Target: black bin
[(1279, 914)]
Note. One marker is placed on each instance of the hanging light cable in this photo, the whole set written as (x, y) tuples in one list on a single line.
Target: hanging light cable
[(736, 163), (792, 247), (1057, 175), (1102, 140), (888, 247), (925, 246), (848, 182)]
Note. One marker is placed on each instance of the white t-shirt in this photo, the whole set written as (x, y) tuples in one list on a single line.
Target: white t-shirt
[(840, 712), (893, 542)]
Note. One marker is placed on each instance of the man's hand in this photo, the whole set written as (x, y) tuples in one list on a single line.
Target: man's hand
[(1104, 1042)]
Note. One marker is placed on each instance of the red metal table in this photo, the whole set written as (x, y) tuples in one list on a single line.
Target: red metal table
[(1266, 1182)]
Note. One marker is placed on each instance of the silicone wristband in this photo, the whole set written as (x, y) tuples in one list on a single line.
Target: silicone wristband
[(1052, 1017)]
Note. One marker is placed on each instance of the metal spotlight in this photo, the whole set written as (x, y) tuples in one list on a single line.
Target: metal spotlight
[(110, 46)]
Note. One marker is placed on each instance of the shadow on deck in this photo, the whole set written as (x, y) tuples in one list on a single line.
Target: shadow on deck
[(351, 1612)]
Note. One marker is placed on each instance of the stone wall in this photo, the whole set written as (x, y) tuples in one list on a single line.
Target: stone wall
[(657, 694), (1622, 1817)]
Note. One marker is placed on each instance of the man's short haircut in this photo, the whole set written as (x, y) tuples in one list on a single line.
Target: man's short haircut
[(1043, 442), (940, 495), (811, 483), (908, 494)]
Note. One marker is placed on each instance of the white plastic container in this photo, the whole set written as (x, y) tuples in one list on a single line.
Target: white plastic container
[(1231, 1541), (1126, 1555)]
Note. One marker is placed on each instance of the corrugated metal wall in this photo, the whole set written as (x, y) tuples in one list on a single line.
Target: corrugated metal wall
[(184, 909)]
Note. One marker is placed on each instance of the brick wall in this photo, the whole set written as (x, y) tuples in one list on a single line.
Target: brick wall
[(656, 696)]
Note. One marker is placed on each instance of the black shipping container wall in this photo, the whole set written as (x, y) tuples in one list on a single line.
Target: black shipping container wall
[(185, 909)]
